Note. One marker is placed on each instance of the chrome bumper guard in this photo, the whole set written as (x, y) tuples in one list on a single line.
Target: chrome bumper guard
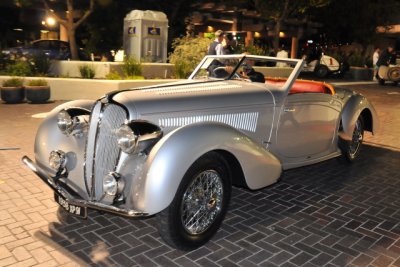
[(75, 201)]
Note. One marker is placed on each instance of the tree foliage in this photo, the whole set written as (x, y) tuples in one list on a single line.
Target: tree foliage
[(188, 52), (280, 11), (356, 21)]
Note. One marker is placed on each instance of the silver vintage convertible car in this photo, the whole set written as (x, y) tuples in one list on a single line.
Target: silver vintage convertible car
[(175, 150)]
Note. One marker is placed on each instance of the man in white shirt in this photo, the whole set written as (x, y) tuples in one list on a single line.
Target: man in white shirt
[(217, 47)]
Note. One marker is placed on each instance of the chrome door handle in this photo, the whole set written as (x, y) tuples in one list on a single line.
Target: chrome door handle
[(289, 109)]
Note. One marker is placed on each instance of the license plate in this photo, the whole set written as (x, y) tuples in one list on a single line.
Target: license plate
[(71, 209)]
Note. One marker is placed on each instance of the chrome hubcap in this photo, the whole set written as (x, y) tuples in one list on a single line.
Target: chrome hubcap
[(202, 202)]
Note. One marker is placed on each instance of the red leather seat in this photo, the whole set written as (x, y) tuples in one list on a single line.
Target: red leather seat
[(304, 86)]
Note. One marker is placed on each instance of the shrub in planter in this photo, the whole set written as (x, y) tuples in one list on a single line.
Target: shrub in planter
[(87, 71), (19, 68), (37, 91), (12, 91), (132, 67)]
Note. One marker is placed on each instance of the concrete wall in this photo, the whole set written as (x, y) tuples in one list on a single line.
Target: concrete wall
[(70, 88), (64, 68)]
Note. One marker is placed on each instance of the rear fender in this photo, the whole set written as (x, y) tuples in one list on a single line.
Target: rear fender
[(172, 156), (358, 105)]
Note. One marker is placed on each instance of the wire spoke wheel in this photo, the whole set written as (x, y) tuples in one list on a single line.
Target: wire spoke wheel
[(202, 202), (356, 139), (351, 148), (199, 205)]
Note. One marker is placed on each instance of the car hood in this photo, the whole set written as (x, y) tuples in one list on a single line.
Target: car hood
[(193, 96)]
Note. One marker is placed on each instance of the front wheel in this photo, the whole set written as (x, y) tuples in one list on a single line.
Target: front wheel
[(199, 205), (351, 148)]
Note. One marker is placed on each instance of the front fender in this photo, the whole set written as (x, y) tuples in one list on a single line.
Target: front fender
[(49, 138), (176, 152), (358, 105)]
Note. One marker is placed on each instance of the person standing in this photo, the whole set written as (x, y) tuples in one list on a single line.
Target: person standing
[(216, 47), (385, 57), (282, 53), (375, 58)]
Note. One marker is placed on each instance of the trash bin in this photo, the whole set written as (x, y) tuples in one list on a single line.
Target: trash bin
[(146, 35)]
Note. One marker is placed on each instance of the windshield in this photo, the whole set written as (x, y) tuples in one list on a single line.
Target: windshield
[(248, 68)]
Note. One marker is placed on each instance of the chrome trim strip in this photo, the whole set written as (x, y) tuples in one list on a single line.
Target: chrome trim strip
[(80, 202)]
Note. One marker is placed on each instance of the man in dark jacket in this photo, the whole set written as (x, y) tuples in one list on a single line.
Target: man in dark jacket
[(385, 57), (250, 73)]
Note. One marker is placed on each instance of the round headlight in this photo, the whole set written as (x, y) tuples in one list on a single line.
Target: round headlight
[(57, 160), (127, 139), (65, 122), (110, 184)]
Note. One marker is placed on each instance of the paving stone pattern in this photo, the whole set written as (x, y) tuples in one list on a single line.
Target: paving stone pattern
[(328, 214)]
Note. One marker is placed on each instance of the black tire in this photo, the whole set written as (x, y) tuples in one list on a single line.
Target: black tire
[(351, 149), (205, 188), (321, 71), (381, 81)]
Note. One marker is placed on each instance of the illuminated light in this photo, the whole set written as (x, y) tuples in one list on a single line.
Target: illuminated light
[(257, 35), (18, 30), (310, 41), (44, 31), (210, 28), (50, 21), (234, 33), (282, 34)]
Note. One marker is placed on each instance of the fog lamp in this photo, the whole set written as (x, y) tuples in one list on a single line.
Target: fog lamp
[(110, 183), (57, 160)]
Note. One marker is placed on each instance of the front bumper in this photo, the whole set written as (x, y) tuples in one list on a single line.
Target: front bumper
[(76, 199)]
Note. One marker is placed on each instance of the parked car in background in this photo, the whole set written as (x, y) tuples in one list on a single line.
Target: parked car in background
[(54, 49), (324, 66), (175, 150), (389, 73)]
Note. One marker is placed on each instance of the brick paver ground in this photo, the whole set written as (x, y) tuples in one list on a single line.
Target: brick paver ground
[(328, 214)]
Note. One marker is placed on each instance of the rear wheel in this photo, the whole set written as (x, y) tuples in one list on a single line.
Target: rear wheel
[(321, 71), (351, 148), (199, 205)]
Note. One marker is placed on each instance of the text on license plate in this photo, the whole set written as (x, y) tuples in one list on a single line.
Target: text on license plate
[(72, 209)]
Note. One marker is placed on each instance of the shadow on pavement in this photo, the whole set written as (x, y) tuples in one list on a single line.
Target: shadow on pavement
[(328, 212)]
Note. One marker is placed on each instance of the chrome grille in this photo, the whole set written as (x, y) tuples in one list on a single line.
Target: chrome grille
[(102, 151)]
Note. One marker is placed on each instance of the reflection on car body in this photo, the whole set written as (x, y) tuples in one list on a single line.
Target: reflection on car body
[(175, 150)]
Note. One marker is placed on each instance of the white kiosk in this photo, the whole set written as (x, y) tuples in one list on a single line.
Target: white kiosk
[(146, 35)]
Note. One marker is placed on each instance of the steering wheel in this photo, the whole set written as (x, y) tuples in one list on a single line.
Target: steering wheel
[(220, 72)]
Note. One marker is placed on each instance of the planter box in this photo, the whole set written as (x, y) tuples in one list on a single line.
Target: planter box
[(37, 94), (360, 74), (12, 95)]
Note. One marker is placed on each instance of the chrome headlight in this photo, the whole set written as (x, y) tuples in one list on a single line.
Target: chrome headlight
[(65, 122), (74, 121), (127, 139), (57, 160)]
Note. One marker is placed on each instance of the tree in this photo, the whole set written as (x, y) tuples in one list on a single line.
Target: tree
[(280, 11), (70, 22), (356, 21)]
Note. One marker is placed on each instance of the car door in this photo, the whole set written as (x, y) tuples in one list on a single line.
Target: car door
[(307, 125)]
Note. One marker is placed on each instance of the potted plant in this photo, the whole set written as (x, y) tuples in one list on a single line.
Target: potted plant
[(37, 91), (12, 90)]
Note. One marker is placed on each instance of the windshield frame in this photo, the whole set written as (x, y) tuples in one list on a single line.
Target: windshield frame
[(242, 57)]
